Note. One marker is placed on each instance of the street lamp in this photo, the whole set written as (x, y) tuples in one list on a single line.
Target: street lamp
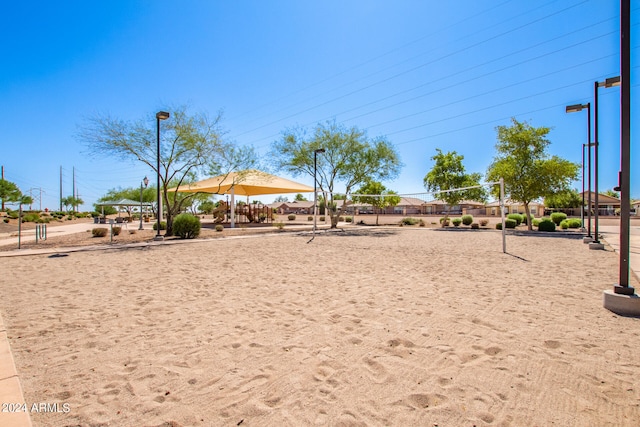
[(145, 181), (161, 115), (315, 186), (572, 109), (610, 82)]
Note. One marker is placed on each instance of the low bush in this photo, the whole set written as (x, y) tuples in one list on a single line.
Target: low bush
[(467, 219), (309, 218), (510, 223), (291, 217), (6, 220), (564, 224), (526, 218), (116, 230), (456, 222), (484, 222), (321, 218), (409, 221), (574, 223), (499, 226), (219, 227), (31, 217), (186, 226), (558, 217), (547, 225), (341, 218), (422, 223), (516, 217), (99, 232), (278, 225), (349, 219), (535, 222), (475, 226), (163, 225)]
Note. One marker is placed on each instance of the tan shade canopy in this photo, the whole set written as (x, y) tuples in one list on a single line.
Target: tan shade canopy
[(245, 183)]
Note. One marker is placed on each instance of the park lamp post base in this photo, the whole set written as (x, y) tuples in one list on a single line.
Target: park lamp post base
[(158, 238), (622, 300), (596, 246), (587, 239)]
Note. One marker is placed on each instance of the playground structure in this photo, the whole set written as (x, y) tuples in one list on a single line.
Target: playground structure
[(244, 213)]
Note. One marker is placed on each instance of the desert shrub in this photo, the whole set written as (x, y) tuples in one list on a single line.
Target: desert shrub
[(547, 225), (309, 218), (467, 219), (456, 221), (99, 232), (409, 221), (321, 218), (349, 219), (516, 217), (163, 225), (564, 224), (443, 219), (186, 226), (116, 230), (13, 214), (219, 227), (341, 218), (526, 218), (499, 226), (6, 220), (484, 222), (421, 223), (475, 226), (510, 223), (291, 217), (558, 217), (535, 222), (574, 223), (31, 217), (278, 225)]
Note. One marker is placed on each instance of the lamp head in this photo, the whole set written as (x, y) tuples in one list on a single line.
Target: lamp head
[(576, 107), (162, 115), (146, 181), (320, 150)]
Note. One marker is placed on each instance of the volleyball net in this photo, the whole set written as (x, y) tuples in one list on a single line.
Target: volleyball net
[(452, 202)]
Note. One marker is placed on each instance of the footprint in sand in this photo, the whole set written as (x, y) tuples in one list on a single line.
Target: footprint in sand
[(377, 372), (552, 344)]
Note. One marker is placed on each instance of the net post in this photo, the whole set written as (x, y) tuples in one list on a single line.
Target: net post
[(504, 239)]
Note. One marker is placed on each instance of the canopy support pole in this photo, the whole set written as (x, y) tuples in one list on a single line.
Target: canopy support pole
[(233, 213)]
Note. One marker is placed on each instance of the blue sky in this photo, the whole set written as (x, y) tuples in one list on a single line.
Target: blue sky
[(424, 74)]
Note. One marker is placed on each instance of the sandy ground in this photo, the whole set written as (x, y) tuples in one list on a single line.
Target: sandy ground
[(363, 327)]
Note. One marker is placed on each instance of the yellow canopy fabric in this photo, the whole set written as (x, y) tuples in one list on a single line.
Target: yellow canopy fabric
[(245, 183)]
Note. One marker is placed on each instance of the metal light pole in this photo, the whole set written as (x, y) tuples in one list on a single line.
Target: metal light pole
[(610, 82), (315, 186), (145, 181), (573, 109), (582, 207), (625, 146), (161, 115)]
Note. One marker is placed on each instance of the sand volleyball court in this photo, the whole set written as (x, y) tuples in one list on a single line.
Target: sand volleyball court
[(374, 327)]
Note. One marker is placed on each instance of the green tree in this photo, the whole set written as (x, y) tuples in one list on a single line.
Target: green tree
[(351, 158), (9, 192), (567, 199), (206, 207), (612, 193), (448, 173), (71, 202), (529, 172), (191, 144), (386, 197), (300, 198), (281, 199)]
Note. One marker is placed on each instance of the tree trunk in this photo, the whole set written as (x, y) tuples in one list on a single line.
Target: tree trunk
[(527, 216)]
